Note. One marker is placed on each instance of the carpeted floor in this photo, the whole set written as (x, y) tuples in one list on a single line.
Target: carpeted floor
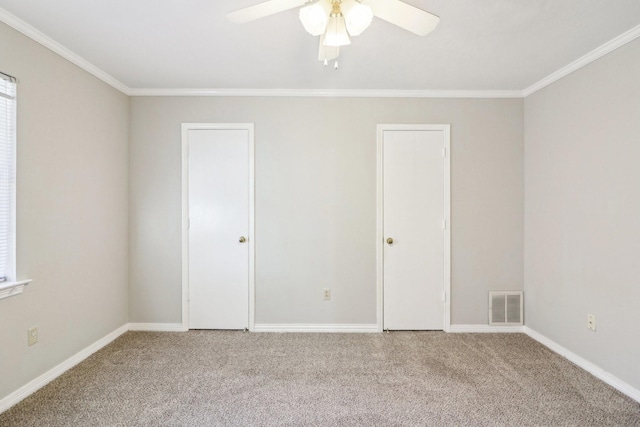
[(212, 378)]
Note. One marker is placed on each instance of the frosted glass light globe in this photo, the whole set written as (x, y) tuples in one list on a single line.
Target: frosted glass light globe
[(336, 34), (357, 16), (314, 18)]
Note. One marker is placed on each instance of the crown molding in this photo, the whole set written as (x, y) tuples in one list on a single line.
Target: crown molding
[(31, 32), (331, 93), (46, 41), (595, 54)]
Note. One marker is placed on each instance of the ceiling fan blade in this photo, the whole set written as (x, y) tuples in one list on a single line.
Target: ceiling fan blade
[(261, 10), (404, 16), (327, 52)]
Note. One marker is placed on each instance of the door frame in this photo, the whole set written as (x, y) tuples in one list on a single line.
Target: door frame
[(186, 127), (446, 296)]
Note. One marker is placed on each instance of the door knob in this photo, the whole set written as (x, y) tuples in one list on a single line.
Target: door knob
[(390, 241), (242, 239)]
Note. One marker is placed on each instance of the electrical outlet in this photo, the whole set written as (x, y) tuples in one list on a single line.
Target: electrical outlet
[(32, 336), (591, 322), (326, 294)]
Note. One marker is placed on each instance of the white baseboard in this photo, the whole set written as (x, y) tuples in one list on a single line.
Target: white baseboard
[(485, 329), (594, 370), (158, 327), (52, 374), (290, 327)]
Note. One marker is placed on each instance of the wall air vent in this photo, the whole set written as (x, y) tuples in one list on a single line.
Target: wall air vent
[(505, 308)]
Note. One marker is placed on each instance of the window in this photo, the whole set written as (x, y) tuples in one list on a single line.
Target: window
[(9, 285)]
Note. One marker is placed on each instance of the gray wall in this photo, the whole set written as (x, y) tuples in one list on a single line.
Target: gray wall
[(72, 211), (582, 187), (316, 202)]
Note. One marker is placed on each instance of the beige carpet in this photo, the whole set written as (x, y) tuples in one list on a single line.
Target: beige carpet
[(209, 378)]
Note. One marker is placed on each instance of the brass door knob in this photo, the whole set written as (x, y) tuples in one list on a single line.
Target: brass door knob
[(390, 241), (242, 239)]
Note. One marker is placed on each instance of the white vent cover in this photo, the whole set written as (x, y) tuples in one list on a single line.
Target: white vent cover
[(505, 308)]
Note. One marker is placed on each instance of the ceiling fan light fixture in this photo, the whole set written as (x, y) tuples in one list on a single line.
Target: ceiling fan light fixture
[(314, 17), (336, 20), (357, 16), (336, 34)]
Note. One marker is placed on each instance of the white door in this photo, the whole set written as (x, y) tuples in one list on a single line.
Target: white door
[(413, 228), (219, 225)]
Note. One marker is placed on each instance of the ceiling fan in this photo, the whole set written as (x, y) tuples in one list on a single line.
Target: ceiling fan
[(335, 20)]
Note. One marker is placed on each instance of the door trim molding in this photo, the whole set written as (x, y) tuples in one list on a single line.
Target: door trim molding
[(380, 213), (186, 127)]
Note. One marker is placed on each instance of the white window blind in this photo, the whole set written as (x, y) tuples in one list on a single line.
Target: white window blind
[(7, 179)]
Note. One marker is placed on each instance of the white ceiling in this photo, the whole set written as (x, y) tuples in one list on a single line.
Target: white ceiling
[(478, 45)]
